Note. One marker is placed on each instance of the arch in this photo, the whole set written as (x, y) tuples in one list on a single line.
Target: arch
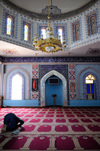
[(6, 76), (42, 86), (84, 77), (96, 82), (22, 78)]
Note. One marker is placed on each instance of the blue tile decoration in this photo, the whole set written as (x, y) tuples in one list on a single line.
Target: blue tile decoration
[(35, 95), (30, 24), (35, 75), (14, 17), (96, 84), (43, 69), (87, 16), (72, 84), (25, 72), (64, 27), (39, 26), (35, 71), (72, 26), (81, 72), (51, 59)]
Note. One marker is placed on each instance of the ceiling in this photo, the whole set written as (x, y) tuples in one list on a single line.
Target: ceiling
[(12, 50), (38, 5)]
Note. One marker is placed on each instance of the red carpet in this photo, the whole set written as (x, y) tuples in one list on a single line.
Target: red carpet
[(34, 121), (44, 128), (15, 143), (61, 124), (94, 127), (78, 128), (61, 128), (96, 119), (28, 128), (64, 143), (39, 143), (85, 120), (73, 120), (60, 120), (47, 120), (87, 142)]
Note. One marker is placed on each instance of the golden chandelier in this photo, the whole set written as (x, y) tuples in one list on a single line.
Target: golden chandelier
[(49, 44)]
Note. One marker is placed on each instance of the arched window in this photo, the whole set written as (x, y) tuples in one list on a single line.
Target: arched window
[(16, 91), (60, 34), (9, 25), (93, 25), (89, 80), (26, 32), (77, 35), (43, 32)]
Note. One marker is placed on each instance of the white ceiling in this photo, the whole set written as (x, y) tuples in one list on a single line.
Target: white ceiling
[(38, 5), (12, 50)]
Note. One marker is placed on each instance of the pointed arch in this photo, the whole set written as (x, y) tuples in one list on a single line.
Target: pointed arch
[(12, 72), (42, 86), (17, 87), (84, 76)]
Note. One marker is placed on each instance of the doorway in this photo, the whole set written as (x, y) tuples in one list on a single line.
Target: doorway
[(53, 86)]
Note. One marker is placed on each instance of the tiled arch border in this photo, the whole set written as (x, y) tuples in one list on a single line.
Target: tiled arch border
[(5, 80), (96, 82), (10, 83), (42, 87), (79, 78)]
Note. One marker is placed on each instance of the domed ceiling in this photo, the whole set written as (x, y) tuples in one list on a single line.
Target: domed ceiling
[(37, 6)]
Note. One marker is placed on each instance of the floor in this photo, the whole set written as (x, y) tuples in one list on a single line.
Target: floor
[(53, 129)]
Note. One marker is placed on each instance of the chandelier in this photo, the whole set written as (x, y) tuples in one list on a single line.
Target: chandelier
[(49, 44)]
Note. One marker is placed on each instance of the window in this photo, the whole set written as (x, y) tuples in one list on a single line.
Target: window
[(60, 34), (76, 30), (26, 32), (43, 32), (77, 35), (89, 80), (93, 25), (16, 91), (9, 25)]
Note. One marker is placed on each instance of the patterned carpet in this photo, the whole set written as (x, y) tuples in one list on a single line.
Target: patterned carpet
[(53, 129)]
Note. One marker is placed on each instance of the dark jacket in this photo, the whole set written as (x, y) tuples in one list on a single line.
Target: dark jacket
[(12, 121)]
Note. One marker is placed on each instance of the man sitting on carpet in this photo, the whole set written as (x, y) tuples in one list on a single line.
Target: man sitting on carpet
[(12, 122)]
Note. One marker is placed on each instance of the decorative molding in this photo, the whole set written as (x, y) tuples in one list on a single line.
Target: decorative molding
[(43, 16), (50, 59)]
